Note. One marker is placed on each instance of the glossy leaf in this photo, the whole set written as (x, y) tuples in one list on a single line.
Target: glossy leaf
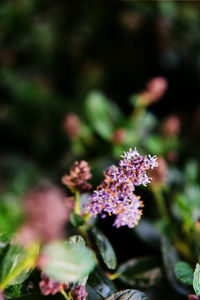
[(15, 256), (196, 279), (105, 248), (76, 219), (11, 213), (128, 295), (101, 113), (68, 262), (4, 242), (184, 272), (170, 258), (102, 285), (141, 272)]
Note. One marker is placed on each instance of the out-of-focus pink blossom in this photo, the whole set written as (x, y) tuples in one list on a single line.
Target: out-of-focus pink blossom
[(171, 126), (119, 136), (47, 214), (159, 174), (193, 297), (1, 295), (156, 88), (172, 156), (72, 125)]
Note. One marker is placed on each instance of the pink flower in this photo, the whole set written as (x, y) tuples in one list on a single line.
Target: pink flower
[(156, 87), (78, 177)]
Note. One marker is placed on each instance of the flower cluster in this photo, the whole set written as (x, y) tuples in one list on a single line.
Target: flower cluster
[(49, 286), (115, 194), (79, 293), (77, 180), (155, 89)]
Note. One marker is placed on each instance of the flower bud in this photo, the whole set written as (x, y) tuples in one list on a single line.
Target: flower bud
[(171, 126), (157, 87), (159, 174), (77, 179), (72, 125), (79, 293), (119, 136)]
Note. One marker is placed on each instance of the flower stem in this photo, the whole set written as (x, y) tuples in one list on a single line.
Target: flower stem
[(160, 201), (77, 203), (64, 294)]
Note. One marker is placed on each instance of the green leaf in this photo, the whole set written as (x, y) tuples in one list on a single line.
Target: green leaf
[(105, 248), (13, 291), (170, 258), (128, 295), (102, 285), (4, 242), (76, 219), (13, 258), (101, 114), (192, 170), (196, 280), (184, 272), (141, 272), (11, 213), (68, 262)]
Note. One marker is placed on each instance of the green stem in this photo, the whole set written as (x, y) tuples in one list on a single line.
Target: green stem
[(113, 276), (160, 201), (77, 203), (64, 294)]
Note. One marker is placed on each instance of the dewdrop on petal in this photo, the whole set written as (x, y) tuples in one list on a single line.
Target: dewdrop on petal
[(115, 196)]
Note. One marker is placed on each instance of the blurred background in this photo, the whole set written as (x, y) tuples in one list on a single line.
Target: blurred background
[(73, 80)]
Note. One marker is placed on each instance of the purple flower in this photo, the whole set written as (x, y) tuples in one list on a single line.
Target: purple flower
[(115, 194)]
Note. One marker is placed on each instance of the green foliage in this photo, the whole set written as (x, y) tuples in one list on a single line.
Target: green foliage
[(142, 272), (104, 247), (101, 283), (68, 261), (4, 242), (196, 280), (13, 291), (101, 114), (128, 295), (15, 257), (184, 272), (170, 259)]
